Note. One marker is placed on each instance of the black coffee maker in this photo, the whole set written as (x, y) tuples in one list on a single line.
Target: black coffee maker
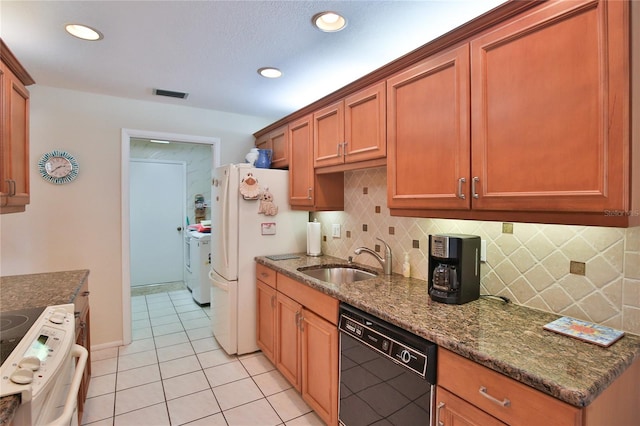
[(454, 268)]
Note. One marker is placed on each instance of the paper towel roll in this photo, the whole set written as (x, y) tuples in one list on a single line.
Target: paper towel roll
[(314, 245)]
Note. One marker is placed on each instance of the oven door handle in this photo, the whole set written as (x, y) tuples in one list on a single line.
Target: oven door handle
[(82, 354)]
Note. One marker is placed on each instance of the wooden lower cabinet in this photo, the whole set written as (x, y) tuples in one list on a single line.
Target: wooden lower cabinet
[(299, 330), (288, 335), (452, 410), (320, 365), (83, 338), (266, 320), (471, 394)]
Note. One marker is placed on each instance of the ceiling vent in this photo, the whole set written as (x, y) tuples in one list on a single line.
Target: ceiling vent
[(170, 93)]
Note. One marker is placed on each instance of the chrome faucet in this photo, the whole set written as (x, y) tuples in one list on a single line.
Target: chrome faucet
[(387, 262)]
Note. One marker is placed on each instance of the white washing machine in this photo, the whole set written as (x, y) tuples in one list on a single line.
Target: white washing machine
[(200, 264)]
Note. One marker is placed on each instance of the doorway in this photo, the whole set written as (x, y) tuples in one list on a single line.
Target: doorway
[(157, 212), (127, 137)]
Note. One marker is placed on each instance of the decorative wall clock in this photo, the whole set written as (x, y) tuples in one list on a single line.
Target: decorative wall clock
[(58, 167)]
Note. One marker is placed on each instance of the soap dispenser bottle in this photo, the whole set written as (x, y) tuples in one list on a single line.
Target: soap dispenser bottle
[(406, 266)]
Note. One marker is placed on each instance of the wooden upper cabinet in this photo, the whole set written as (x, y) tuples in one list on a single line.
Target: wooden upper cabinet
[(301, 186), (328, 135), (14, 140), (278, 142), (263, 142), (280, 146), (351, 130), (428, 133), (308, 190), (550, 105)]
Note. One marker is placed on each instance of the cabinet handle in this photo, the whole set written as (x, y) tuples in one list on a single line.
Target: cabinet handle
[(76, 314), (504, 403), (309, 194), (85, 293), (440, 407), (344, 149), (273, 301), (339, 149), (460, 193), (12, 187), (475, 180)]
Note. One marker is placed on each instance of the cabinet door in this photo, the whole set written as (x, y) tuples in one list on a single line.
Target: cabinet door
[(451, 410), (428, 152), (288, 339), (328, 135), (263, 142), (549, 102), (279, 144), (301, 173), (266, 320), (320, 366), (14, 142), (365, 124)]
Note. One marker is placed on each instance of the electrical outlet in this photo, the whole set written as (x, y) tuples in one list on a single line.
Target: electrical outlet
[(483, 250), (335, 230)]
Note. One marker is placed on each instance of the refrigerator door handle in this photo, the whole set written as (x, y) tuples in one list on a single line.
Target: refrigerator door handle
[(217, 283), (225, 225)]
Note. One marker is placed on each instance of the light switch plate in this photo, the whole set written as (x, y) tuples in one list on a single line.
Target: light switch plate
[(335, 230)]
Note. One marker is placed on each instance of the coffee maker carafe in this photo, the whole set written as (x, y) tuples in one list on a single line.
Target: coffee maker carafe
[(454, 268)]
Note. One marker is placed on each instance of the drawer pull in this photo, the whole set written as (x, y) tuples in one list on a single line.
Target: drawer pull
[(440, 407), (504, 403), (85, 293)]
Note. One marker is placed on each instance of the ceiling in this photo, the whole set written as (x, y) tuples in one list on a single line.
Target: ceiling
[(212, 49)]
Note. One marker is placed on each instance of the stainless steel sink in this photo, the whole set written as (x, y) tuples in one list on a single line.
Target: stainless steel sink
[(338, 274)]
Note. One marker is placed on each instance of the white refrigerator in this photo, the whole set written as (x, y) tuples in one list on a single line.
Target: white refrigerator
[(239, 233)]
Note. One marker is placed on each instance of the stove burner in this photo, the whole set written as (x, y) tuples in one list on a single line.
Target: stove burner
[(13, 326), (8, 322)]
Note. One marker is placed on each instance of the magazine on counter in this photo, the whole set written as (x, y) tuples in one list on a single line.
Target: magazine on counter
[(584, 330)]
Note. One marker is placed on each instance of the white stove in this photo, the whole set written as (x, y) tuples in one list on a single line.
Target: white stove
[(40, 367)]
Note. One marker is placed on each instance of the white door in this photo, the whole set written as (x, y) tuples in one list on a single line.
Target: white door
[(157, 212)]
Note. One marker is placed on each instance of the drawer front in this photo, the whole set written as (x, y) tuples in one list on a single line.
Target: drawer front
[(502, 397), (312, 299), (266, 275)]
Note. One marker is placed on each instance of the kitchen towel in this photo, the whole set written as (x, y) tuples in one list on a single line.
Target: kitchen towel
[(313, 239)]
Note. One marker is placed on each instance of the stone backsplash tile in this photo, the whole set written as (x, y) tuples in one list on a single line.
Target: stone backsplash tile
[(530, 265)]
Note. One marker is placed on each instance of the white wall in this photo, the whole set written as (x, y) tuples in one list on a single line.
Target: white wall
[(77, 226)]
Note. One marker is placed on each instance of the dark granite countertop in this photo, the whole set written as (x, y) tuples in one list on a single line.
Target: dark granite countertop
[(504, 337), (32, 291)]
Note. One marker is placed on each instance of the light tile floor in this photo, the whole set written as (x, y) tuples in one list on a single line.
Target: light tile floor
[(175, 373)]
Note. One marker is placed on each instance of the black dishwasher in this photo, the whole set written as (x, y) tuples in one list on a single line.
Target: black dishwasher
[(387, 375)]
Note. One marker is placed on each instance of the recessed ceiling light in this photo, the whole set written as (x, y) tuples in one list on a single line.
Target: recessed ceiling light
[(83, 32), (270, 72), (329, 21)]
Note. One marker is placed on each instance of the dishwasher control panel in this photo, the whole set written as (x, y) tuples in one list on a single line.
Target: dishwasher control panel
[(402, 347)]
